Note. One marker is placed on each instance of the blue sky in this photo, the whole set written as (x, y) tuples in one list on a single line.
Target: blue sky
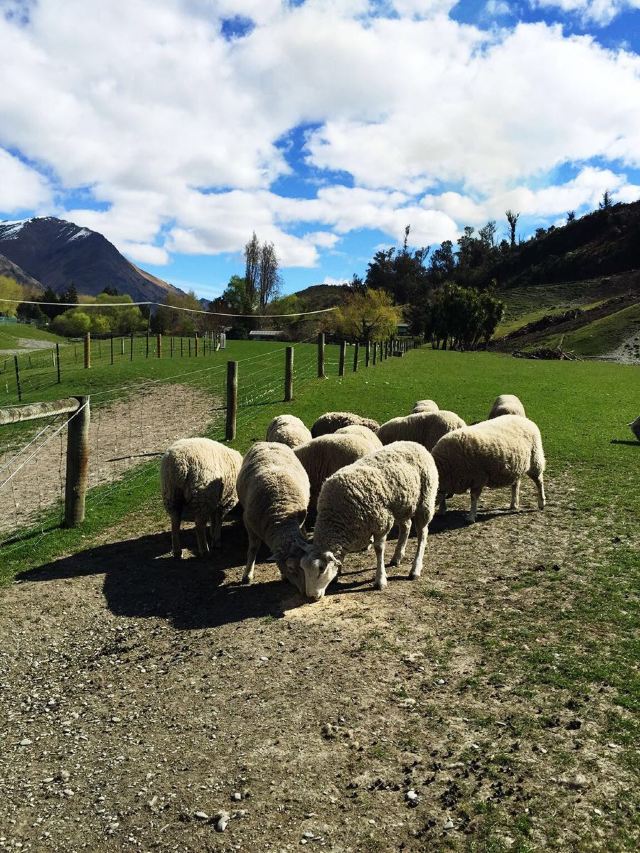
[(179, 127)]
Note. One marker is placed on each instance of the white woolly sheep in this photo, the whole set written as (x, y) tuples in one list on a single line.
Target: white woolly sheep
[(198, 479), (331, 421), (425, 406), (397, 484), (507, 404), (289, 430), (491, 454), (323, 456), (365, 432), (424, 427), (273, 489), (635, 428)]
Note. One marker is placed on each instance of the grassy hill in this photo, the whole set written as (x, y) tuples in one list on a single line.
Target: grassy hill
[(23, 336)]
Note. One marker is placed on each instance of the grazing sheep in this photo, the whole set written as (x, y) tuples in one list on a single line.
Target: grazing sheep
[(424, 427), (198, 477), (365, 432), (289, 430), (507, 404), (273, 489), (331, 421), (323, 456), (425, 406), (397, 484), (490, 454), (635, 428)]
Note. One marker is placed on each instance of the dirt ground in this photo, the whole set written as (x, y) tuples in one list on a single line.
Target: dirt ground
[(142, 697), (119, 433)]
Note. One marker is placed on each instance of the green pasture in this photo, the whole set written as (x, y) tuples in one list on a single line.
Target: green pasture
[(11, 333), (587, 649), (599, 337)]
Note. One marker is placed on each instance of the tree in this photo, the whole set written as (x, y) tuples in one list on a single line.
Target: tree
[(252, 253), (73, 323), (443, 263), (70, 295), (571, 216), (268, 277), (512, 219), (400, 273), (606, 202), (52, 309), (368, 316), (10, 289)]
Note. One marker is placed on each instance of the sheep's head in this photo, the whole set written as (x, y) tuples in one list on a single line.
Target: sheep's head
[(320, 568)]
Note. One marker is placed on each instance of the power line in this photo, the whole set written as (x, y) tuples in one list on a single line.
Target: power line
[(170, 307)]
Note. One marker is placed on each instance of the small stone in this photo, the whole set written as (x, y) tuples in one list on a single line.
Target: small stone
[(202, 815), (448, 824), (65, 775), (264, 658), (308, 834), (236, 796), (26, 742), (115, 719), (221, 821), (68, 792), (412, 798)]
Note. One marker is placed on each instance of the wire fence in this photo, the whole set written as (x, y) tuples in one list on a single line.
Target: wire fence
[(131, 424)]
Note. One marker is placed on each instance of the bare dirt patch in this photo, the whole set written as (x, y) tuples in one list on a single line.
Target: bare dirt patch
[(25, 344), (143, 696), (121, 432)]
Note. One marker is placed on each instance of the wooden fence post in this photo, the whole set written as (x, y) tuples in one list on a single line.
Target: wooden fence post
[(77, 474), (356, 351), (111, 349), (181, 346), (375, 351), (58, 362), (171, 345), (189, 340), (15, 361), (232, 399), (195, 343), (367, 354), (147, 353), (288, 375), (131, 348), (122, 345), (87, 350), (343, 353), (159, 344), (321, 373)]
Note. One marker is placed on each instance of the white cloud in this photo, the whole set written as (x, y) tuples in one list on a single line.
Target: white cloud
[(174, 130), (600, 12), (334, 282), (21, 188)]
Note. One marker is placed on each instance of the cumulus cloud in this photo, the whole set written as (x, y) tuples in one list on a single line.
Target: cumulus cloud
[(600, 12), (176, 131), (21, 187), (334, 282)]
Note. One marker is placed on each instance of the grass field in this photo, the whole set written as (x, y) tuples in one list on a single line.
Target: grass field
[(12, 333), (503, 687)]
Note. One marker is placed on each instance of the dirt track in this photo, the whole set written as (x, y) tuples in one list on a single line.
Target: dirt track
[(144, 696), (120, 433)]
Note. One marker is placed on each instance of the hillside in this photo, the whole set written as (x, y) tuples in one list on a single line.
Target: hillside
[(318, 296), (13, 271), (58, 253)]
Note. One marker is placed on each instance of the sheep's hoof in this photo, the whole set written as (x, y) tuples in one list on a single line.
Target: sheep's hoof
[(380, 585), (246, 580), (470, 518), (414, 574), (177, 555), (393, 563)]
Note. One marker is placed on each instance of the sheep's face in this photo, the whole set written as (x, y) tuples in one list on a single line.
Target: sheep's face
[(320, 568)]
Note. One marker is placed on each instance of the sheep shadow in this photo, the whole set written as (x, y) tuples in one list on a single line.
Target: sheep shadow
[(143, 580)]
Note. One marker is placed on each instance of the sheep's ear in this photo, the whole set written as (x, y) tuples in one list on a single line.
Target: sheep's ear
[(330, 557)]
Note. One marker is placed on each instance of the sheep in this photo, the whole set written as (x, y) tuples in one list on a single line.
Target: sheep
[(635, 428), (289, 430), (397, 484), (424, 427), (425, 406), (359, 429), (323, 456), (506, 404), (198, 475), (273, 489), (331, 421), (491, 454)]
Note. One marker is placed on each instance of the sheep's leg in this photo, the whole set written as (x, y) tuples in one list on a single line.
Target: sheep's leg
[(252, 553), (442, 508), (381, 574), (416, 568), (539, 481), (403, 534), (175, 536), (515, 494), (216, 529), (201, 536), (475, 495)]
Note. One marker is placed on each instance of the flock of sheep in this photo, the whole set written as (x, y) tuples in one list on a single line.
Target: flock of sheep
[(356, 478)]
